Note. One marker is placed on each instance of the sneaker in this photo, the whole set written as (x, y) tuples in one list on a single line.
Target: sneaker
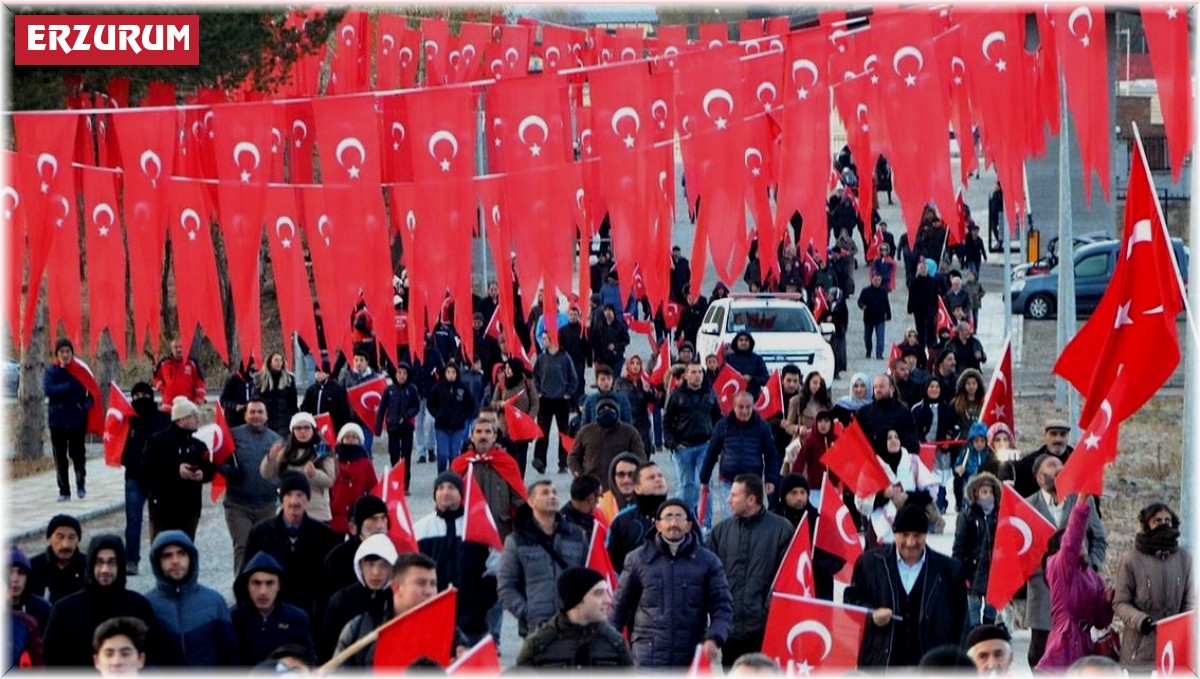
[(539, 467), (64, 498), (868, 354), (131, 569), (82, 493)]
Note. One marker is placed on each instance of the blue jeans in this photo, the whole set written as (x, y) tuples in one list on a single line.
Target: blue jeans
[(135, 503), (687, 462), (720, 503), (878, 330), (449, 445), (978, 613)]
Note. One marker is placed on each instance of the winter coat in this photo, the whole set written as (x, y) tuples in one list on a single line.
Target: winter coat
[(612, 502), (957, 300), (923, 297), (1038, 602), (602, 334), (642, 399), (624, 410), (1155, 587), (975, 534), (355, 478), (301, 560), (469, 566), (401, 403), (171, 496), (875, 305), (628, 529), (751, 550), (280, 396), (808, 458), (451, 405), (52, 583), (1025, 482), (596, 446), (68, 401), (194, 617), (328, 397), (74, 619), (527, 402), (529, 568), (880, 415), (353, 600), (743, 447), (364, 624), (947, 420), (179, 377), (285, 624), (749, 364), (689, 416), (964, 353), (562, 643), (242, 471), (1077, 600), (575, 345), (554, 376), (671, 603), (237, 391), (141, 428), (943, 602), (24, 641), (320, 483)]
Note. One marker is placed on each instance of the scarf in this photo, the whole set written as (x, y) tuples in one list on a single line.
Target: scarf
[(850, 402), (347, 452), (497, 459), (1161, 542)]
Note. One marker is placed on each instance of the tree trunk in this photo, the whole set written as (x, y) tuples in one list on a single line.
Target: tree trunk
[(107, 365), (31, 397)]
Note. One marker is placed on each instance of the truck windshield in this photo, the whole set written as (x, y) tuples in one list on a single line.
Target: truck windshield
[(773, 319)]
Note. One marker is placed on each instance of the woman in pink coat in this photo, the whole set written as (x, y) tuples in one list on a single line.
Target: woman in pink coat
[(1079, 599)]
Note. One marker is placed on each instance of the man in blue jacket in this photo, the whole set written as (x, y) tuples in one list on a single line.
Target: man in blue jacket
[(745, 445), (69, 402), (194, 617)]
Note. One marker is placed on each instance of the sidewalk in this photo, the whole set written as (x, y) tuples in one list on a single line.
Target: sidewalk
[(31, 501)]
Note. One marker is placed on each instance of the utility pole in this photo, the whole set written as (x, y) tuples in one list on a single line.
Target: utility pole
[(1064, 394)]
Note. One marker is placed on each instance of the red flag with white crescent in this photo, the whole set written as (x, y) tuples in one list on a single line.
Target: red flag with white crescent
[(1081, 35), (222, 448), (391, 489), (727, 384), (116, 425), (597, 556), (1167, 37), (803, 165), (1097, 447), (1175, 645), (14, 234), (521, 427), (106, 260), (836, 532), (998, 401), (1021, 536), (854, 461), (325, 429), (189, 218), (478, 523), (435, 42), (944, 320), (770, 400), (795, 574), (366, 397), (807, 636), (283, 218), (426, 630)]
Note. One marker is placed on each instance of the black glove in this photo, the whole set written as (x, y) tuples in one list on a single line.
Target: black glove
[(1147, 626)]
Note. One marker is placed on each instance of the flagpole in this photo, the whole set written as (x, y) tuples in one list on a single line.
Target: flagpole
[(1004, 232), (1064, 395)]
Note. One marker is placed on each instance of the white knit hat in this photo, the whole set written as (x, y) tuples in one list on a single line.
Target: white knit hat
[(182, 407), (303, 418), (351, 428)]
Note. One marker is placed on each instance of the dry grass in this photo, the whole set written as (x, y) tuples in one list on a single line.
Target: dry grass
[(19, 468)]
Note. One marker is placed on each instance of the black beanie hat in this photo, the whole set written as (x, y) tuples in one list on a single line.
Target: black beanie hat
[(674, 502), (64, 343), (294, 480), (61, 520), (574, 584), (984, 633), (366, 507), (911, 519), (448, 476), (142, 388)]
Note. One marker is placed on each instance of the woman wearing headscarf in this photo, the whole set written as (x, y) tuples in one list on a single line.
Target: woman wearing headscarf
[(860, 395), (913, 485), (516, 381), (1154, 581), (634, 384), (304, 451), (936, 421)]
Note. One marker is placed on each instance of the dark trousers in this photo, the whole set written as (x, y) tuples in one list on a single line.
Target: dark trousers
[(69, 443), (400, 447), (557, 410), (736, 648), (135, 506), (1037, 646), (520, 453), (926, 327)]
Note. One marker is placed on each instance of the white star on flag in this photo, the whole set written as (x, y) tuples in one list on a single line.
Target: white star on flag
[(103, 231), (1086, 40), (191, 235), (353, 171), (286, 243), (802, 93), (445, 165), (910, 80), (1092, 441), (1123, 315), (628, 142), (245, 177), (1171, 13), (535, 150), (721, 123), (874, 79), (45, 187), (1001, 65)]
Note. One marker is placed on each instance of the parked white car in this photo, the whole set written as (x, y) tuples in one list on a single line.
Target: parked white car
[(783, 328)]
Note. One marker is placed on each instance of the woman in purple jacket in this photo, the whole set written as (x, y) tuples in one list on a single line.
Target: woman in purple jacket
[(1079, 598)]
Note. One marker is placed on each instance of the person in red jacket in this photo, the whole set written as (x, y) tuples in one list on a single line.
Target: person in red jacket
[(355, 476), (178, 375)]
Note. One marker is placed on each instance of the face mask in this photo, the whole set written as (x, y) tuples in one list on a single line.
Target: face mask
[(606, 418), (987, 504), (144, 407)]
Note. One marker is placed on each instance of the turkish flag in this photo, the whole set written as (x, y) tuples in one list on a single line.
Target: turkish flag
[(222, 448), (467, 54), (521, 427), (1136, 311), (283, 218), (14, 234), (397, 146), (366, 397), (511, 58), (944, 320), (876, 241), (243, 139), (795, 574), (301, 141), (856, 99), (46, 144), (492, 202), (597, 556), (1174, 646), (391, 489), (948, 47), (928, 454), (662, 363), (556, 47), (426, 630), (481, 659), (198, 295), (770, 400), (435, 36), (1021, 536), (1166, 29), (1083, 52), (325, 429), (805, 634), (671, 314), (728, 383), (835, 531), (350, 66), (478, 524), (1097, 448), (148, 140), (106, 261), (820, 306), (804, 144), (701, 664), (116, 425), (713, 34), (392, 28), (854, 461), (998, 401), (329, 233)]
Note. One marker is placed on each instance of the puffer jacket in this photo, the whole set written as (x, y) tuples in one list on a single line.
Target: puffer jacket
[(320, 483), (672, 603), (751, 549), (976, 533), (749, 364), (689, 417), (529, 568), (1076, 598), (744, 448), (1150, 586), (193, 616), (68, 400), (628, 529), (170, 495), (561, 643)]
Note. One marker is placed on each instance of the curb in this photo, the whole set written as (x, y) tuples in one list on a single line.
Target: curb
[(82, 516)]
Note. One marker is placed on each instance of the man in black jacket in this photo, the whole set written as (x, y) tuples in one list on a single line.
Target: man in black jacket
[(917, 596), (261, 619), (297, 541), (236, 393), (73, 620), (877, 311), (61, 568), (177, 466), (744, 444), (574, 344), (370, 593), (68, 403), (580, 634), (688, 421), (149, 420), (368, 516), (749, 364), (631, 524), (923, 303), (885, 412), (795, 505), (327, 396)]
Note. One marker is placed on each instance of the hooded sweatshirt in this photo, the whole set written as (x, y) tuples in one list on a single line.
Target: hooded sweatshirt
[(257, 634), (749, 364), (469, 566), (194, 617), (73, 620), (612, 502), (356, 599)]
